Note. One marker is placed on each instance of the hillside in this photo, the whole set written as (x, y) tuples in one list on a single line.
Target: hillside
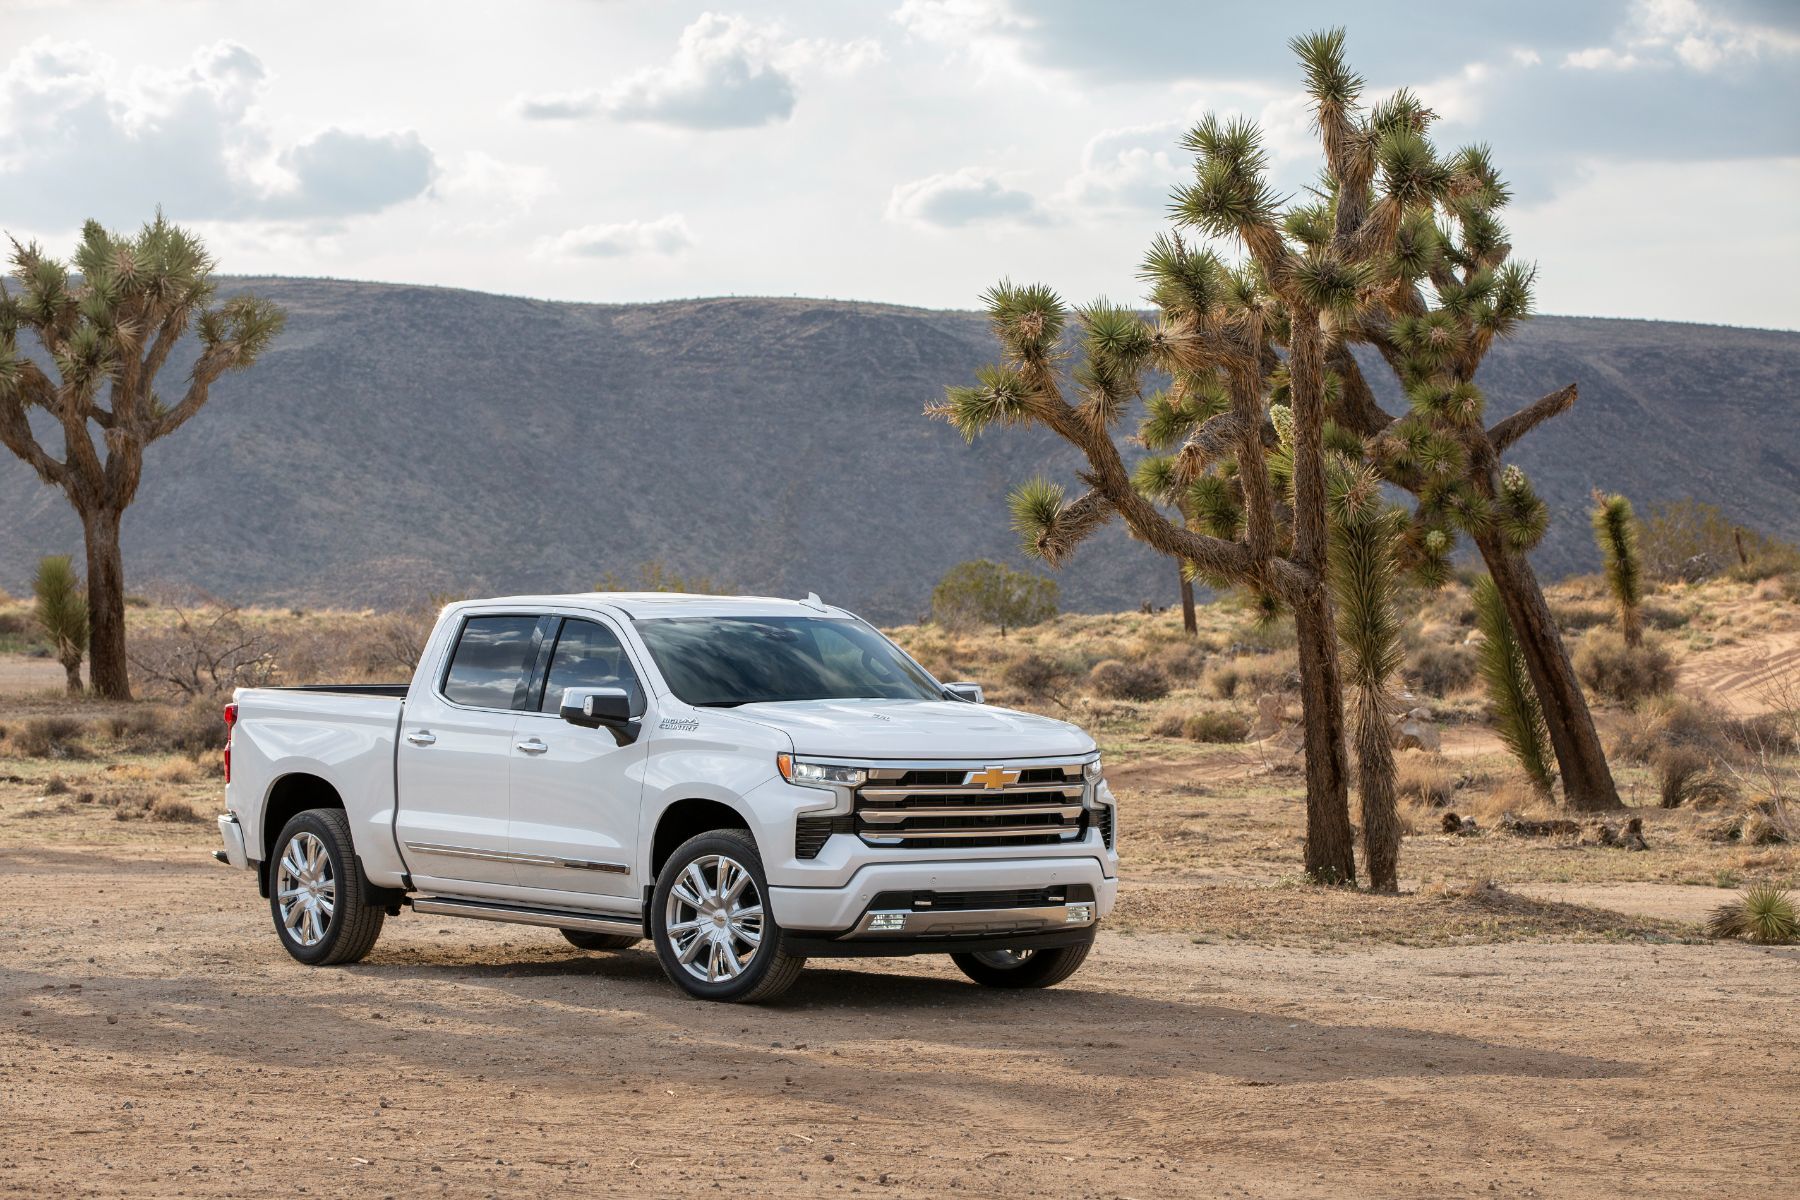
[(400, 441)]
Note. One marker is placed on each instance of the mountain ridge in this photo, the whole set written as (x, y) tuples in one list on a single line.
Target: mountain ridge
[(403, 440)]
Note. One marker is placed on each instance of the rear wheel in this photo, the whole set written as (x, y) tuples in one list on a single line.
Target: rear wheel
[(1023, 968), (583, 939), (714, 934), (317, 895)]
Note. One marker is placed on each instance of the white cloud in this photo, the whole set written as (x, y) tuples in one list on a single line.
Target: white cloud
[(78, 138), (985, 32), (1662, 33), (970, 196), (726, 73), (1130, 169), (664, 236)]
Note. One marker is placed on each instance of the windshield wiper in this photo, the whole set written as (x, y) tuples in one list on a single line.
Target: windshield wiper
[(721, 703)]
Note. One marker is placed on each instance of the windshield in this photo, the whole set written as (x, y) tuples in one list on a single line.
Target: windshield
[(720, 662)]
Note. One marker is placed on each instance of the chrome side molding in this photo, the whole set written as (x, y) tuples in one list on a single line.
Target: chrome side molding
[(519, 914), (527, 860)]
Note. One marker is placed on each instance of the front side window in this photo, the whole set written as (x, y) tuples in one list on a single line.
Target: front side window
[(488, 667), (721, 662), (588, 655)]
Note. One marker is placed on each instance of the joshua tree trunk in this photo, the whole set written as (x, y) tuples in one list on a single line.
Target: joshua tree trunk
[(1330, 844), (72, 668), (1587, 781), (1189, 620), (108, 671), (1375, 784)]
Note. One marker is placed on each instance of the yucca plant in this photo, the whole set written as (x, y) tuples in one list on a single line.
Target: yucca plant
[(1615, 532), (1764, 914), (1518, 718), (107, 322), (62, 613)]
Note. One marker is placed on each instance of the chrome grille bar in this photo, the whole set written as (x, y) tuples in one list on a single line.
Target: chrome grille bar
[(972, 804)]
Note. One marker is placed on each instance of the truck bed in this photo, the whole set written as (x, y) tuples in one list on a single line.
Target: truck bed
[(394, 690)]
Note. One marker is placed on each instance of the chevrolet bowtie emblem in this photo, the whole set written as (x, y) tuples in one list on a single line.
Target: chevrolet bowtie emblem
[(993, 779)]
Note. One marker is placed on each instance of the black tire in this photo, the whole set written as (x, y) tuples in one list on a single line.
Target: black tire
[(1034, 968), (584, 939), (770, 971), (355, 921)]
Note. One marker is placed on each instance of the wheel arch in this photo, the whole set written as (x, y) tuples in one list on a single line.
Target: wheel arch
[(688, 818), (288, 796)]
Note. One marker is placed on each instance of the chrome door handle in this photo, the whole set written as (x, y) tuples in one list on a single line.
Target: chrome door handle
[(531, 746), (421, 737)]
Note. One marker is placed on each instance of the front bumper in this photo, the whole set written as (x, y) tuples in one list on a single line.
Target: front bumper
[(845, 912)]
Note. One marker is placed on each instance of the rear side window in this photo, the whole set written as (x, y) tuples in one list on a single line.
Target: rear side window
[(488, 667), (589, 655)]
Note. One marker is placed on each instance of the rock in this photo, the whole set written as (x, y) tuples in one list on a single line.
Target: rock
[(1414, 731), (1629, 836), (1460, 826), (1513, 823)]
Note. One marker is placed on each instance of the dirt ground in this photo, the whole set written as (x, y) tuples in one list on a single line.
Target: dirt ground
[(156, 1041), (1528, 1017)]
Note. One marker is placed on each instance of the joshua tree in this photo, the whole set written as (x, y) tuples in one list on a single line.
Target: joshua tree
[(1365, 534), (62, 614), (1439, 290), (108, 328), (1517, 716), (1615, 531)]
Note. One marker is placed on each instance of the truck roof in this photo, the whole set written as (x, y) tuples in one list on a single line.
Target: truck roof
[(671, 604)]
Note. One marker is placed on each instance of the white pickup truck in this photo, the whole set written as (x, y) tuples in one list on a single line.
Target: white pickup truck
[(746, 782)]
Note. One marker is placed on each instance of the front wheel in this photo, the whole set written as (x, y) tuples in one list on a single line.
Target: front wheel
[(316, 893), (714, 934), (1023, 968)]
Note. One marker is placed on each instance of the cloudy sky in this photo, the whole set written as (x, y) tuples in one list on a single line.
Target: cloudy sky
[(903, 150)]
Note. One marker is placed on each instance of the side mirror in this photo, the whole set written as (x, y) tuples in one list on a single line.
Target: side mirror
[(593, 708), (968, 693)]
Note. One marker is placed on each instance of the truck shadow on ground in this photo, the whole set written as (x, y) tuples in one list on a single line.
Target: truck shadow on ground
[(624, 1015)]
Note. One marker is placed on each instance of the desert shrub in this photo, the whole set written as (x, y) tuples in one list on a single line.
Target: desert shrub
[(1763, 914), (1574, 616), (171, 809), (143, 730), (56, 785), (1251, 675), (1169, 724), (1423, 780), (1665, 616), (1687, 539), (984, 592), (197, 727), (1035, 674), (1215, 725), (1627, 674), (1183, 661), (1224, 680), (51, 737), (1118, 680), (1439, 670), (1687, 776), (1669, 721), (206, 652), (1765, 733)]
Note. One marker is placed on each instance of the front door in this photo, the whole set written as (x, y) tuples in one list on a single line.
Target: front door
[(456, 747), (575, 791)]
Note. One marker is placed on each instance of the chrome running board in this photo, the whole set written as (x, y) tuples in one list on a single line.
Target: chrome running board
[(519, 914)]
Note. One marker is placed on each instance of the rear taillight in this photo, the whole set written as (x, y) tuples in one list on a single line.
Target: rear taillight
[(230, 724)]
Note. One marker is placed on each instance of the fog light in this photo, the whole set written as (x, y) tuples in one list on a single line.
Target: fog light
[(1079, 914), (887, 922)]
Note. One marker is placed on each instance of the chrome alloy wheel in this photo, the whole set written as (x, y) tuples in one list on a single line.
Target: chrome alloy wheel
[(305, 889), (715, 919)]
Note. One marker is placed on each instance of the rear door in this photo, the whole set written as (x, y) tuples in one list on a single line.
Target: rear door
[(455, 754), (575, 791)]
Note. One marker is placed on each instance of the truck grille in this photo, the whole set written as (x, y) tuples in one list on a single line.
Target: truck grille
[(972, 806)]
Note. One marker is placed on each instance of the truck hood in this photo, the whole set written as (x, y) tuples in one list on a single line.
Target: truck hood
[(922, 729)]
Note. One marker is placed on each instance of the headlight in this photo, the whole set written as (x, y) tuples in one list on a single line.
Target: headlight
[(1091, 771), (819, 775)]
